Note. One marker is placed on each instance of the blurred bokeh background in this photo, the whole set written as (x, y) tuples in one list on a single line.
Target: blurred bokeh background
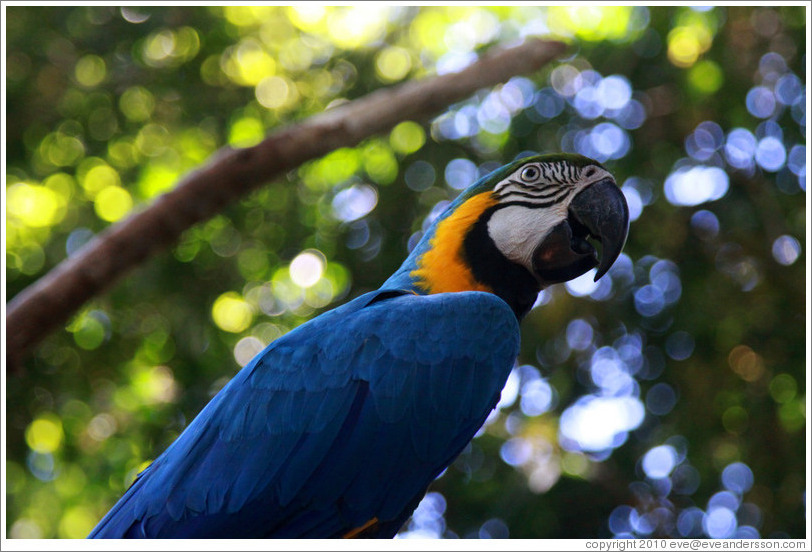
[(668, 399)]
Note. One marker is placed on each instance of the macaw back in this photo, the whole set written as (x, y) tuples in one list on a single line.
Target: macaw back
[(335, 429)]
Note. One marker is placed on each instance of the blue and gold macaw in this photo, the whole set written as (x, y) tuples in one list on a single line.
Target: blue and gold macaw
[(338, 428)]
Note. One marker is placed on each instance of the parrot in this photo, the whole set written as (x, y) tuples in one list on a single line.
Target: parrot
[(338, 428)]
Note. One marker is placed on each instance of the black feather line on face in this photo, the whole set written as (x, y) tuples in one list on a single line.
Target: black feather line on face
[(558, 198), (548, 188), (528, 195)]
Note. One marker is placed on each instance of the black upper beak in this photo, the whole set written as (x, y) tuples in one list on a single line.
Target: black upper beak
[(599, 211)]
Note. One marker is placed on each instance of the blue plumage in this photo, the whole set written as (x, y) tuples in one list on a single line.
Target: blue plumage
[(304, 442), (338, 427)]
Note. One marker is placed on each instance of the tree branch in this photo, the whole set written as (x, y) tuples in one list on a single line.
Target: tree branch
[(50, 301)]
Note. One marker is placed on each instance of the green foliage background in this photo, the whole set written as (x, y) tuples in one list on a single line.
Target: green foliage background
[(108, 107)]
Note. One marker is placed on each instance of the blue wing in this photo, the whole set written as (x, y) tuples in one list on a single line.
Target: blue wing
[(341, 423)]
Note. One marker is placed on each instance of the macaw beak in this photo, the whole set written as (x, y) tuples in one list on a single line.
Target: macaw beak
[(600, 212)]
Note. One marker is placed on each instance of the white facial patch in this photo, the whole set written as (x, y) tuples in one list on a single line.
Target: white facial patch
[(517, 230)]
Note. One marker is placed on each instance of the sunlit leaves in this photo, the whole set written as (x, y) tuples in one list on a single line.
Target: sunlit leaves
[(393, 63), (706, 77), (45, 434), (89, 329), (34, 205), (407, 137), (277, 92), (90, 70), (248, 63), (357, 26), (76, 523), (333, 168), (170, 47), (61, 150), (155, 179), (137, 103), (231, 313), (691, 37), (307, 268), (94, 175), (379, 162), (113, 203), (595, 23), (153, 384), (246, 131)]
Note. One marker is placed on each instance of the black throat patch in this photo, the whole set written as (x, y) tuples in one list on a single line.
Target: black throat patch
[(510, 281)]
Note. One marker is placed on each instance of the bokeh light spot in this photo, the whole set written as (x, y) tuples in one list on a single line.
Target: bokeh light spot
[(598, 423), (246, 349), (579, 334), (76, 523), (102, 426), (679, 345), (246, 132), (307, 268), (393, 63), (379, 162), (96, 175), (89, 329), (786, 250), (112, 203), (407, 137), (90, 70), (34, 205), (706, 77), (719, 523), (796, 161), (537, 397), (354, 202), (705, 223), (737, 477), (137, 104), (25, 528), (695, 185), (746, 363), (232, 313), (685, 45), (783, 388), (420, 176), (154, 384), (685, 479), (582, 285), (659, 461), (770, 154), (760, 102), (516, 451), (660, 399), (45, 434), (740, 148)]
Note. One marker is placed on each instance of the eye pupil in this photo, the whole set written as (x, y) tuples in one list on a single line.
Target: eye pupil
[(530, 173)]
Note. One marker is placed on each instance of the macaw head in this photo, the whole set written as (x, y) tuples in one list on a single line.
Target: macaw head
[(522, 228)]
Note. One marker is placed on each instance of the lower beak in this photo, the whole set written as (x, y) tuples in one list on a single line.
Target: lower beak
[(600, 212)]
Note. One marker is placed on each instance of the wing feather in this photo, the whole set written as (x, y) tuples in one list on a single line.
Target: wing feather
[(348, 417)]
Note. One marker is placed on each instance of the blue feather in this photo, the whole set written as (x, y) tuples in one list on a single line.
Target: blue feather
[(346, 418)]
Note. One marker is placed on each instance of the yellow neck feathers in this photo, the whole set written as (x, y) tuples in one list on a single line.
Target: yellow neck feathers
[(443, 268)]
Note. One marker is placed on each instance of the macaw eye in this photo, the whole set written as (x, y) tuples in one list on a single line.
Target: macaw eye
[(529, 174)]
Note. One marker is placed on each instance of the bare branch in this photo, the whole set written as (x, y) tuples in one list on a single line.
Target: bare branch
[(49, 302)]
